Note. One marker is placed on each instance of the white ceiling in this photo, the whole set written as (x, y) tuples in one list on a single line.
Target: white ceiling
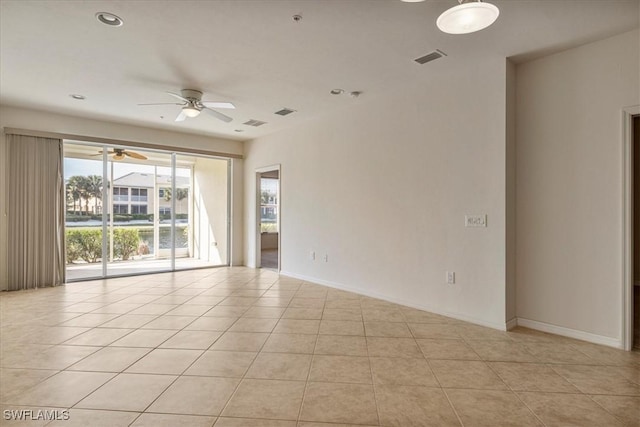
[(253, 54)]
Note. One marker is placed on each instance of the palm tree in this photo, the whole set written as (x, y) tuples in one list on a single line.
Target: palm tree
[(74, 189), (83, 188), (71, 204), (94, 188), (181, 194)]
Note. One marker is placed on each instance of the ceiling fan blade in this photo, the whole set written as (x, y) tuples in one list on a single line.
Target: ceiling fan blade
[(119, 156), (181, 117), (180, 97), (217, 115), (164, 103), (209, 104), (135, 155), (100, 153)]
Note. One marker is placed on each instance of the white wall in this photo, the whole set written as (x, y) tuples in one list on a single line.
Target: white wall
[(237, 212), (382, 189), (46, 121), (569, 185), (210, 213)]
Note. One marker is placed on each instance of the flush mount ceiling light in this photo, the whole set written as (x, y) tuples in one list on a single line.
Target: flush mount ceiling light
[(467, 17), (109, 19), (190, 111)]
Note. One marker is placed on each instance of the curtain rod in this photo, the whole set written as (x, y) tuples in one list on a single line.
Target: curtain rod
[(42, 134)]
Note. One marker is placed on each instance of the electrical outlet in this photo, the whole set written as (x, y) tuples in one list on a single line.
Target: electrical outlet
[(451, 277), (312, 255)]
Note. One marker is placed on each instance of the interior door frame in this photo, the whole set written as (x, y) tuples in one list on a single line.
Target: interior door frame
[(258, 234), (627, 225)]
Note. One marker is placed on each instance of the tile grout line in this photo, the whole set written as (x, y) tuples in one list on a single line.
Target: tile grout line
[(152, 349), (514, 392), (373, 382), (245, 372), (442, 389), (313, 355)]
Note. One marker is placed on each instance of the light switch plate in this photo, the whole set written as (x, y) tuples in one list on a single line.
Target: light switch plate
[(475, 220)]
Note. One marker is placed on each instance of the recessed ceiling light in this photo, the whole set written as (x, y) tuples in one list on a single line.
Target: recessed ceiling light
[(78, 97), (109, 19), (337, 91), (238, 130)]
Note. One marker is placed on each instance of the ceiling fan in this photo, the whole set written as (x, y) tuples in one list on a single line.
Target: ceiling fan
[(192, 104), (121, 153)]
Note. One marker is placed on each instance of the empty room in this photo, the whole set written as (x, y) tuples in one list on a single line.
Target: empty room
[(320, 213)]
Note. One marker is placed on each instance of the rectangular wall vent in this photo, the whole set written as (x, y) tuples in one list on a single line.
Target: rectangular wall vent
[(254, 123), (285, 111), (430, 56)]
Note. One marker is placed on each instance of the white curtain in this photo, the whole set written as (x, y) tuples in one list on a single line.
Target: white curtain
[(36, 212)]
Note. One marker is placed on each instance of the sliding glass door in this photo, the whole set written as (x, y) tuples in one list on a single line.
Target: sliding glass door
[(139, 236), (135, 211), (84, 182)]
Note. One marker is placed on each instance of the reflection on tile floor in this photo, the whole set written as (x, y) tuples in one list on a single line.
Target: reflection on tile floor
[(243, 347)]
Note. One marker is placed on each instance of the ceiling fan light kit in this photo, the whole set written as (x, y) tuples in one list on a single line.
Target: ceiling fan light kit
[(467, 17), (192, 105), (191, 111)]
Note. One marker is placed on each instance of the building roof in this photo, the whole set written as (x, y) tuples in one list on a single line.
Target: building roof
[(145, 180)]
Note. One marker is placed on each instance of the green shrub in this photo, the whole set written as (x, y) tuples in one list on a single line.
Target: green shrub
[(268, 227), (73, 250), (164, 217), (142, 217), (77, 218), (125, 242), (84, 244)]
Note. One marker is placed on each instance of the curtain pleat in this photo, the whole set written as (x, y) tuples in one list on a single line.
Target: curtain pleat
[(36, 212)]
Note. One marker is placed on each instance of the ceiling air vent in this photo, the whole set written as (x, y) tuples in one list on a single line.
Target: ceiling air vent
[(430, 56), (285, 111), (254, 123)]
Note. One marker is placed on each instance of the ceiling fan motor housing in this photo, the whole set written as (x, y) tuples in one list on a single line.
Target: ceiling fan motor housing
[(191, 94)]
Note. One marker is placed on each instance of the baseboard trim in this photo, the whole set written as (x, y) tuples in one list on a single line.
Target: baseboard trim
[(571, 333), (512, 323), (412, 304)]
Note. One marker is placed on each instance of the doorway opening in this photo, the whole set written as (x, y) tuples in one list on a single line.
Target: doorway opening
[(268, 216)]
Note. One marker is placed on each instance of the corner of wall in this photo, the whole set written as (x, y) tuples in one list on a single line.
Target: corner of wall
[(4, 243), (510, 192)]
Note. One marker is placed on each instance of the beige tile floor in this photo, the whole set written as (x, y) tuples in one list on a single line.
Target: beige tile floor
[(242, 347)]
